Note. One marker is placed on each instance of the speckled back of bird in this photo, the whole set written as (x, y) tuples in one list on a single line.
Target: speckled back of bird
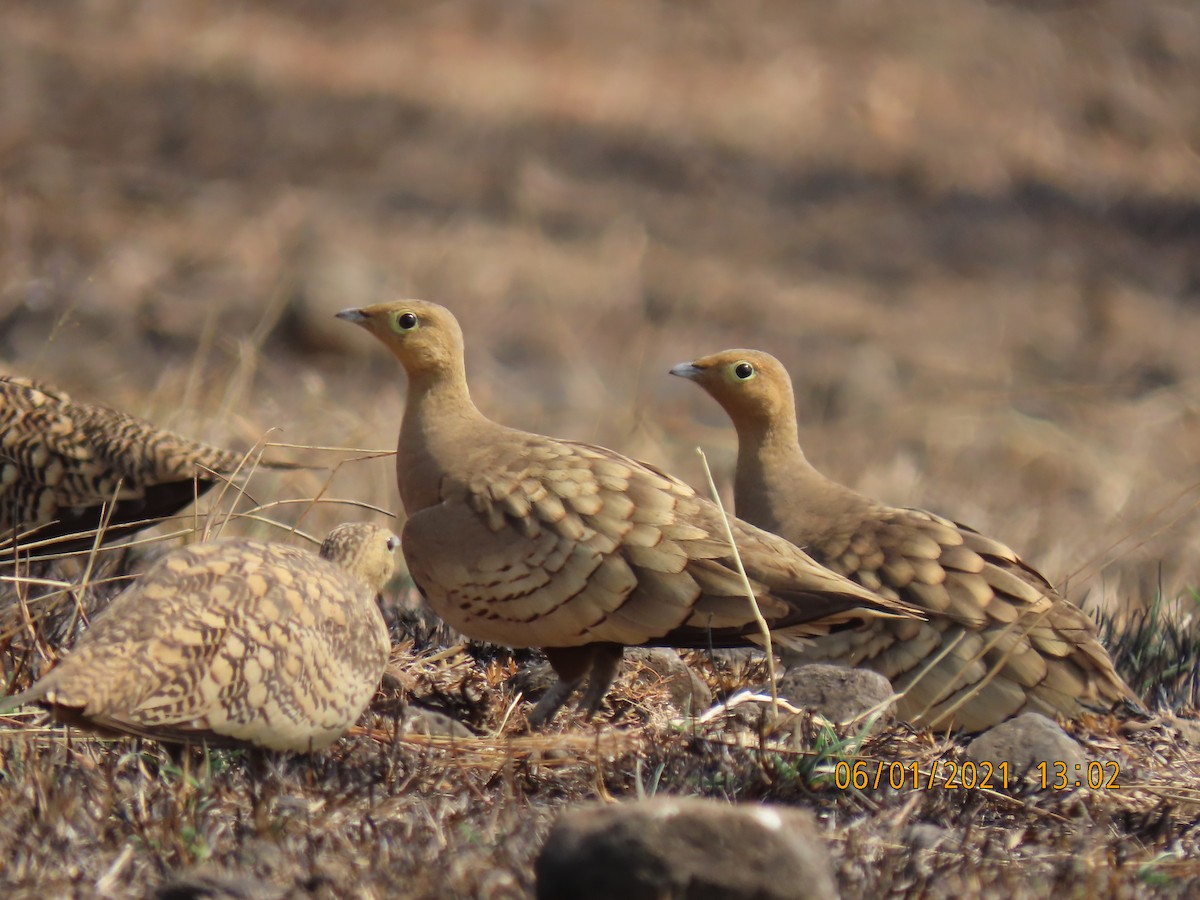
[(236, 642), (61, 460)]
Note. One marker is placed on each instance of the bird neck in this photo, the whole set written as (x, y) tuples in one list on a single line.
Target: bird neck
[(438, 417), (766, 452), (779, 490)]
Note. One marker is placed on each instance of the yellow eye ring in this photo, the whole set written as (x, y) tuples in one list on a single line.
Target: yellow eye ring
[(742, 370), (405, 321)]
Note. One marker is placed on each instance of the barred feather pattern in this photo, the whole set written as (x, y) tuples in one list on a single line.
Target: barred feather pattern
[(528, 541), (233, 643), (996, 639), (62, 460)]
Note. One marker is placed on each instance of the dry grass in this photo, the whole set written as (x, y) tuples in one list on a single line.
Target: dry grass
[(968, 228), (395, 813)]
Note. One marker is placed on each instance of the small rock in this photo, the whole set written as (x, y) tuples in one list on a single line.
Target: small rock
[(199, 885), (923, 836), (685, 688), (734, 657), (1026, 741), (418, 720), (923, 841), (838, 693), (1187, 729), (686, 848), (533, 678)]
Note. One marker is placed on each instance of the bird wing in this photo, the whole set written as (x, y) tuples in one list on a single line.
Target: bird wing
[(557, 544), (255, 642), (61, 461), (1004, 635)]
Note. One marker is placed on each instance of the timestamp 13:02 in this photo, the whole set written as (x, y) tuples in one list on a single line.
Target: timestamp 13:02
[(945, 774)]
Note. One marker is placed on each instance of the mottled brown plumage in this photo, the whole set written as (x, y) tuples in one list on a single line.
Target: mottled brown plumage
[(235, 642), (528, 541), (999, 639), (62, 460)]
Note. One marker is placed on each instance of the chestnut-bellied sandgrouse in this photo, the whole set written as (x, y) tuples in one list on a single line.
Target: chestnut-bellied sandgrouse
[(999, 639), (62, 461), (524, 540), (234, 642)]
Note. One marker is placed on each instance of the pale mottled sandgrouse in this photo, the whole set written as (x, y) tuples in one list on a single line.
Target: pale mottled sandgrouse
[(62, 460), (235, 642), (524, 540), (999, 639)]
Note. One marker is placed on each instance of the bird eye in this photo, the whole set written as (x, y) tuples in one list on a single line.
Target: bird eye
[(743, 370), (404, 321), (392, 543)]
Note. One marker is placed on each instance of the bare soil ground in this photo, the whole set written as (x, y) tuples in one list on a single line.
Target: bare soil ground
[(972, 231)]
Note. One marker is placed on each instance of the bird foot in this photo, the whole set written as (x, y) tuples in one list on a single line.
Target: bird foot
[(606, 660), (552, 701)]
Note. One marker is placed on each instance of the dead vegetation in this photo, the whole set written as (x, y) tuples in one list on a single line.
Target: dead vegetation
[(387, 813), (969, 229)]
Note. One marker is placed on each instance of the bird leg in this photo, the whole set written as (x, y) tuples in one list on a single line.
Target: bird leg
[(571, 665), (597, 662), (556, 695), (606, 660)]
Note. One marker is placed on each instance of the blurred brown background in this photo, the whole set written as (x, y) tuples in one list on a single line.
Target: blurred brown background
[(971, 230)]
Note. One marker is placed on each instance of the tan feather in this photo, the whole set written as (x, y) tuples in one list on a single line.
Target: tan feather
[(235, 642), (1006, 638), (654, 566), (62, 460)]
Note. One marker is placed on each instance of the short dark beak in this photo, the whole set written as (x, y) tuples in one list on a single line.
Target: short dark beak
[(352, 315), (687, 370)]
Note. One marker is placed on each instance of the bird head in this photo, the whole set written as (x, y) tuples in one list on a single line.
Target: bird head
[(753, 387), (364, 550), (425, 337)]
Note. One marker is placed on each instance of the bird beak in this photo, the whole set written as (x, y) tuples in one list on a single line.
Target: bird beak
[(356, 316), (687, 370)]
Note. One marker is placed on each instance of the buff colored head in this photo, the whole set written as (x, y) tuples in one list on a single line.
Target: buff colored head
[(753, 387), (365, 551), (425, 337)]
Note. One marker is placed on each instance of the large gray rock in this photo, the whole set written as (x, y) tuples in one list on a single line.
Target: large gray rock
[(684, 849), (1027, 740), (838, 693)]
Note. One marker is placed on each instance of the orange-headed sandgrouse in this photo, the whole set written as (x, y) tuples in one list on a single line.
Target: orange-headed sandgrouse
[(999, 639), (527, 541)]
